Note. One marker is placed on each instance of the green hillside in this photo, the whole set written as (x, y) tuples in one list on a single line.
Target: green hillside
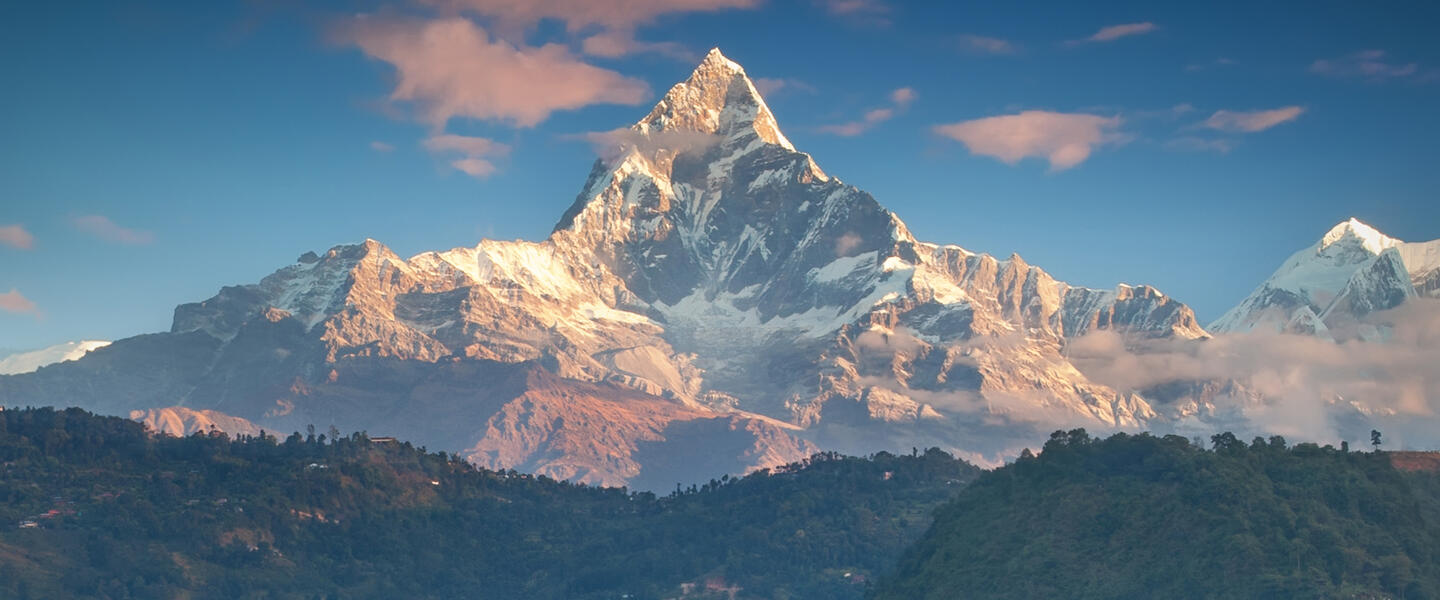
[(1147, 517), (95, 507)]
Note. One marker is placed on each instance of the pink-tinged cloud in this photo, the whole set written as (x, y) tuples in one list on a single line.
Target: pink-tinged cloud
[(615, 43), (1115, 32), (380, 146), (452, 68), (475, 153), (579, 14), (15, 236), (616, 20), (986, 45), (1252, 121), (1367, 64), (478, 168), (102, 227), (1063, 139), (855, 7), (903, 97), (13, 301), (900, 98)]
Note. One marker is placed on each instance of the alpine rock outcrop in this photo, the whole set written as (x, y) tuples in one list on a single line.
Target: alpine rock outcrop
[(712, 301)]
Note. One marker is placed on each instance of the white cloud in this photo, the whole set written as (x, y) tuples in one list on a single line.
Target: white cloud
[(16, 236), (1252, 121), (102, 227), (1063, 139)]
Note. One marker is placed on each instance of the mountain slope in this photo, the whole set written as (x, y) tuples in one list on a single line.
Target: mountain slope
[(709, 279), (1354, 270)]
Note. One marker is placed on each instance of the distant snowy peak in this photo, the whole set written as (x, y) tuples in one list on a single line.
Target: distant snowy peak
[(1352, 233), (25, 362), (1352, 271)]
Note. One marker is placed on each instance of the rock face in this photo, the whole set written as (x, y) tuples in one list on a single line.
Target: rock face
[(1327, 289), (712, 301)]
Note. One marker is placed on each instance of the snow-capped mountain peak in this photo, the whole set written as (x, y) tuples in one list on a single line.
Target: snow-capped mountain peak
[(1353, 270), (717, 99), (1352, 232)]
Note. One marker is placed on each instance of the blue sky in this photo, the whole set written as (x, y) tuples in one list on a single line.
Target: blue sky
[(154, 152)]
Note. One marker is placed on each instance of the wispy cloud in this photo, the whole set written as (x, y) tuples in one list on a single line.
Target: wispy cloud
[(1370, 65), (451, 68), (871, 12), (1252, 121), (1190, 143), (1115, 32), (1214, 64), (13, 301), (900, 99), (986, 45), (770, 86), (1063, 139), (610, 25), (15, 236), (102, 227), (611, 145), (470, 155), (380, 146)]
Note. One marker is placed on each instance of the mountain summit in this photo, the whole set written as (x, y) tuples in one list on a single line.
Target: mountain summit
[(1327, 288), (712, 301)]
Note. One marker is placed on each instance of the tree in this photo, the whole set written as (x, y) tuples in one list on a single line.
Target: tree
[(1375, 439)]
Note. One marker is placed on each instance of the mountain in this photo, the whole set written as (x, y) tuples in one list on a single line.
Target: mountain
[(711, 302), (1328, 288), (25, 362), (1147, 517)]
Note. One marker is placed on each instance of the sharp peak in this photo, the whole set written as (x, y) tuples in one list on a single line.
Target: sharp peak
[(717, 98), (1369, 237)]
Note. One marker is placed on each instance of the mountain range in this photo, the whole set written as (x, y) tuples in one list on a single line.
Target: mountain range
[(711, 302)]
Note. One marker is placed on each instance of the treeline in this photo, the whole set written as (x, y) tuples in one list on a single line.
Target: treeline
[(97, 507), (1139, 516)]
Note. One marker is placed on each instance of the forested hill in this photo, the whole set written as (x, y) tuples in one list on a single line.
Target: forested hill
[(96, 507), (1146, 517)]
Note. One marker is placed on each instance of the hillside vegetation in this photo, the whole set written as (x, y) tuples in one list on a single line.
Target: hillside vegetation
[(1136, 516), (96, 507)]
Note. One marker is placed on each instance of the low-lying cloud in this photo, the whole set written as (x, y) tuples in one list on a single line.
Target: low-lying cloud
[(1297, 385)]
